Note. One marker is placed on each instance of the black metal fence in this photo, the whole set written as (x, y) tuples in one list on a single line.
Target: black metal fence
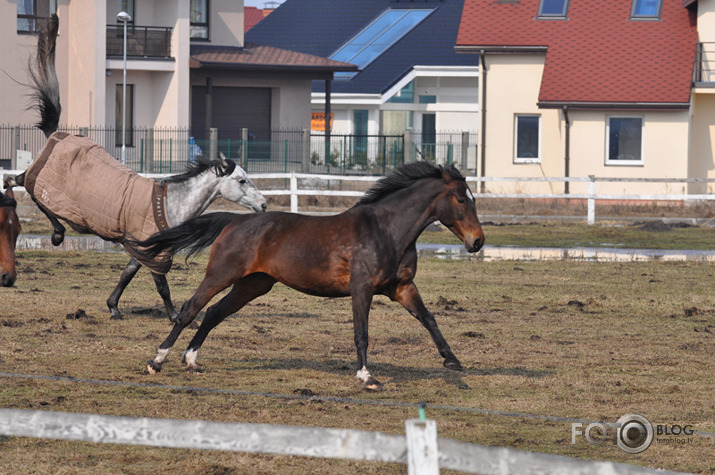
[(168, 150)]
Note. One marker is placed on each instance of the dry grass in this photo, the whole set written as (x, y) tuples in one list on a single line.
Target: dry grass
[(582, 340)]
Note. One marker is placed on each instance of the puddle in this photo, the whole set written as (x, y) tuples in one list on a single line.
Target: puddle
[(440, 251), (591, 254)]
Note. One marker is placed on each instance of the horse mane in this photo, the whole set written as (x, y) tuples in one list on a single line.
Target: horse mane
[(201, 165), (7, 201), (405, 176)]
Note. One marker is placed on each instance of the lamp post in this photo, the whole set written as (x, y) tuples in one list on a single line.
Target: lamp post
[(124, 18)]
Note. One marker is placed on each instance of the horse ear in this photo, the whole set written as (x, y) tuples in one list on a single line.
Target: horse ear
[(223, 159), (446, 177)]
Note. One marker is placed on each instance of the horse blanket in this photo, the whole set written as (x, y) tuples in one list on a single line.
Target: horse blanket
[(76, 179)]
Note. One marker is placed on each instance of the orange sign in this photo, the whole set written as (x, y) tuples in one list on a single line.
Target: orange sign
[(317, 121)]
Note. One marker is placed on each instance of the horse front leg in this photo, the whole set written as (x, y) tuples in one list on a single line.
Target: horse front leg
[(361, 301), (408, 296), (59, 230), (162, 286), (127, 275)]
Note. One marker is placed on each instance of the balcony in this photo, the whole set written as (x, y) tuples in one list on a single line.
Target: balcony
[(704, 74), (151, 42)]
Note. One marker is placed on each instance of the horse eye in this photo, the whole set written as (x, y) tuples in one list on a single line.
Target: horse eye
[(460, 200), (242, 181)]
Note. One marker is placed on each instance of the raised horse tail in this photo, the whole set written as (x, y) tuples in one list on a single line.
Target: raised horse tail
[(195, 234), (46, 87)]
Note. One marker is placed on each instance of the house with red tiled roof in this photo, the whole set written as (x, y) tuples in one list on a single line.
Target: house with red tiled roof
[(251, 16), (608, 88)]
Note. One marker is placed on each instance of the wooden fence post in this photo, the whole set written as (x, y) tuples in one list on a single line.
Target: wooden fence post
[(293, 193), (422, 452), (213, 143), (591, 199)]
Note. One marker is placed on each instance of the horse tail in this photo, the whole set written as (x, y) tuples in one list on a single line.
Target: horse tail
[(46, 87), (194, 235)]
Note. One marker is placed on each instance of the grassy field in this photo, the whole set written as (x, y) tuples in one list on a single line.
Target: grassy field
[(592, 341)]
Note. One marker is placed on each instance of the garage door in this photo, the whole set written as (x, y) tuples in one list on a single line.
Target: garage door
[(233, 108)]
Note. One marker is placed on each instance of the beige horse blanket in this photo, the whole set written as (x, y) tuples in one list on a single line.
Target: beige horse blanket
[(76, 179)]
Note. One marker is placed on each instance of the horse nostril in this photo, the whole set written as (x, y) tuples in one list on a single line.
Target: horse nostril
[(264, 206)]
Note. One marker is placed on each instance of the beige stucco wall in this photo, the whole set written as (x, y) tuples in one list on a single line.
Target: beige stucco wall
[(513, 83), (703, 143), (226, 23)]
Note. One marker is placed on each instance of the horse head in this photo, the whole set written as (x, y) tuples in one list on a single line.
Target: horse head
[(9, 230), (237, 187), (455, 207)]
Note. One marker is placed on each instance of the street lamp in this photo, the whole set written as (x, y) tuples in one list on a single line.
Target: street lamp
[(124, 18)]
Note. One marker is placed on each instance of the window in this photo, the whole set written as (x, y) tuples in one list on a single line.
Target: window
[(31, 13), (130, 115), (553, 8), (527, 139), (646, 9), (360, 123), (377, 37), (428, 99), (126, 6), (199, 19), (624, 137), (406, 95)]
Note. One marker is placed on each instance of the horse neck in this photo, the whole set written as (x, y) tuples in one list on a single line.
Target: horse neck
[(410, 210), (190, 198)]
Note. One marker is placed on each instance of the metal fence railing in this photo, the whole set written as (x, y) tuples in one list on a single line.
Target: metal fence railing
[(168, 150)]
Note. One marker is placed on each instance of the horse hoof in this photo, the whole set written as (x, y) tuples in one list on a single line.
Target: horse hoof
[(194, 370), (453, 364), (152, 368), (116, 316), (372, 385), (57, 239)]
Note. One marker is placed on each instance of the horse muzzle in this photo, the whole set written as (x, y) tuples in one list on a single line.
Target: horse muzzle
[(474, 244), (7, 279)]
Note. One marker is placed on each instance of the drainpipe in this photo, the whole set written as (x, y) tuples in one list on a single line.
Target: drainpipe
[(567, 157), (328, 87), (482, 60)]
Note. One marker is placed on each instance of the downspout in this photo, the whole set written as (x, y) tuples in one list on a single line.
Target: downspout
[(328, 90), (567, 156), (482, 60)]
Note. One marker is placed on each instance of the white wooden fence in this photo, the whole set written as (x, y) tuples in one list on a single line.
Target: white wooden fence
[(294, 191), (423, 452)]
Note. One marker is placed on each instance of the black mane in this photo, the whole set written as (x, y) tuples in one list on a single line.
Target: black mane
[(7, 201), (200, 166), (405, 176)]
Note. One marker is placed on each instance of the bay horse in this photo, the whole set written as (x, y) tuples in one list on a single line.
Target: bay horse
[(180, 197), (9, 230), (366, 250)]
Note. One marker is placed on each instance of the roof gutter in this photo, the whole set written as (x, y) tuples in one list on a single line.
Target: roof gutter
[(500, 49), (611, 106)]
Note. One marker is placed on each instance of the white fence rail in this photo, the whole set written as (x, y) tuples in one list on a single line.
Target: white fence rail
[(420, 449), (294, 190)]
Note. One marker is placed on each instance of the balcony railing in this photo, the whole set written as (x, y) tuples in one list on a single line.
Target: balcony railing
[(704, 73), (142, 41)]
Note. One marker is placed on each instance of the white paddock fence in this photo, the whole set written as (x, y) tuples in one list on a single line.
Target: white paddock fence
[(420, 449), (590, 197), (294, 191)]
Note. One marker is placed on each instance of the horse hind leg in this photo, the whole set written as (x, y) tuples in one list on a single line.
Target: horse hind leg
[(127, 275), (59, 230), (243, 291), (162, 286), (203, 295)]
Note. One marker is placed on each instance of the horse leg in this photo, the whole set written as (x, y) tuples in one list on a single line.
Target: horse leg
[(206, 291), (361, 300), (408, 296), (59, 230), (243, 291), (162, 286), (127, 275)]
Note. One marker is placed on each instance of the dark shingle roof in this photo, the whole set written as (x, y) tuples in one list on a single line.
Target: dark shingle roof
[(320, 27), (261, 58), (598, 55)]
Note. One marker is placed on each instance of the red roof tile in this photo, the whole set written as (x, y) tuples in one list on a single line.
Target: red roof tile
[(598, 55), (251, 16)]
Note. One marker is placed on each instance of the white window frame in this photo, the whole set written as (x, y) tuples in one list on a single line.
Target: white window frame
[(624, 163), (526, 160)]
